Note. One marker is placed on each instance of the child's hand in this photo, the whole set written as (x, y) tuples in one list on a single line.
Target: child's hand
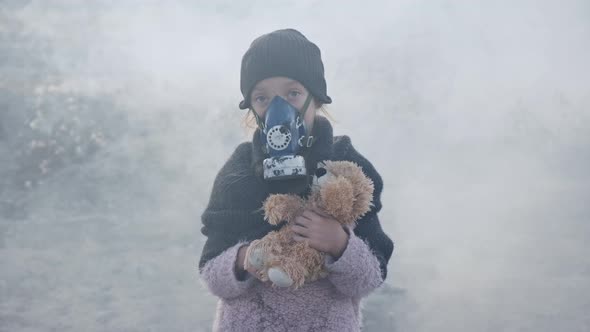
[(321, 232), (240, 262)]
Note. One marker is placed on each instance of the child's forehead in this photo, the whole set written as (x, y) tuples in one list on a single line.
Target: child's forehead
[(276, 82)]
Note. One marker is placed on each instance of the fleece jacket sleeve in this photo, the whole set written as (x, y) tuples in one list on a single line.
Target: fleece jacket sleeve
[(357, 272), (220, 277)]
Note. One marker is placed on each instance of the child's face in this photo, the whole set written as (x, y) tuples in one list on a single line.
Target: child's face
[(291, 90)]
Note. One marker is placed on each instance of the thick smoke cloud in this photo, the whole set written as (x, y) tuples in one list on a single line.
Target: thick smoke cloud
[(116, 116)]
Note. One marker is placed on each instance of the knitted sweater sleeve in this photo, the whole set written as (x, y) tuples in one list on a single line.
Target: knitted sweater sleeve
[(218, 274)]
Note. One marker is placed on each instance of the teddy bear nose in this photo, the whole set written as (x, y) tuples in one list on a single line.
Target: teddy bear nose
[(320, 172)]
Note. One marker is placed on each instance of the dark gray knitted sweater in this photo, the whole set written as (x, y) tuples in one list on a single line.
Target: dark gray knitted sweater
[(233, 214)]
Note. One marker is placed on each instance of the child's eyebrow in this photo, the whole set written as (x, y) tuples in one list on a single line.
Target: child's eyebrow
[(259, 89)]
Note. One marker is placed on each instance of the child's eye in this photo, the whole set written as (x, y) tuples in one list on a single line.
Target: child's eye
[(260, 99)]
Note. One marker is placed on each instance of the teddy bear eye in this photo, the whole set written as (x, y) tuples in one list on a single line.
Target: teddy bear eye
[(320, 172)]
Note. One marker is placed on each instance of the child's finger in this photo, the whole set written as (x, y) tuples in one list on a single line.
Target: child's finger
[(302, 221), (299, 238), (256, 273), (253, 272), (300, 230)]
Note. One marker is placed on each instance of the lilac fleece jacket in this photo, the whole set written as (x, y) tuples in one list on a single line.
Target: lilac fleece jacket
[(330, 304)]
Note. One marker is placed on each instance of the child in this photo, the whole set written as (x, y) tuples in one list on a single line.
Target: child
[(282, 77)]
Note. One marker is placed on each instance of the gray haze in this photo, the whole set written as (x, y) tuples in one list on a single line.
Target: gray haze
[(476, 114)]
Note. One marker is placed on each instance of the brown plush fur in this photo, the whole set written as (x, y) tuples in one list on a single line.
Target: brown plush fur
[(344, 192)]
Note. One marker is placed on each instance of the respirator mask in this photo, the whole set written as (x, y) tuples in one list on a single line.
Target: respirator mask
[(284, 136)]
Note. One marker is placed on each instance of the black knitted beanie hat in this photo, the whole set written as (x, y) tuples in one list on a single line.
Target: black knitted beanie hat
[(283, 53)]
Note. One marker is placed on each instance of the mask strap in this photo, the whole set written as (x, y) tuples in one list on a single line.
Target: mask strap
[(307, 140), (259, 121), (305, 105)]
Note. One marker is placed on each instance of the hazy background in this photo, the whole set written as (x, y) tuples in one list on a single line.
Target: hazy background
[(116, 115)]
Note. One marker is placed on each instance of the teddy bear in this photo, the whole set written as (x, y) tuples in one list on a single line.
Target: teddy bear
[(339, 188)]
